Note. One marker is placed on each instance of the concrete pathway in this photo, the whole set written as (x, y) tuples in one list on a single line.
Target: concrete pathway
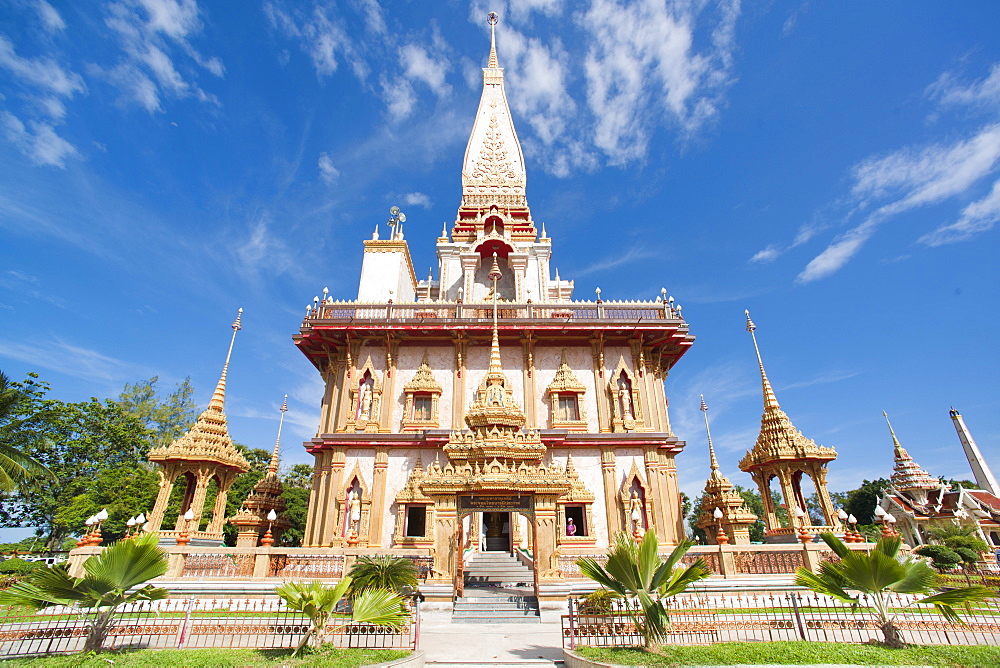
[(457, 645)]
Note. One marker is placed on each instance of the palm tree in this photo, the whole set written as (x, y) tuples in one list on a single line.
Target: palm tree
[(382, 571), (16, 468), (319, 603), (879, 574), (637, 572), (109, 577)]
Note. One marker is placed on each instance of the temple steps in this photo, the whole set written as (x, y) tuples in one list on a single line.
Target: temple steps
[(498, 589)]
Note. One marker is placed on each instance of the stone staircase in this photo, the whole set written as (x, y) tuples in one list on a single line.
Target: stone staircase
[(498, 590)]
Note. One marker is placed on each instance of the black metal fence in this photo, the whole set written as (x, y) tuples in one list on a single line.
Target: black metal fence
[(785, 615), (191, 623)]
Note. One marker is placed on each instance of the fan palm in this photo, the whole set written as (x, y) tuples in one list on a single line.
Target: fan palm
[(637, 572), (16, 468), (879, 574), (109, 577), (319, 603), (383, 571)]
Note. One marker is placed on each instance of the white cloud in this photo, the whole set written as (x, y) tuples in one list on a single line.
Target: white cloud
[(947, 91), (642, 67), (327, 171), (631, 255), (399, 97), (38, 141), (51, 19), (978, 217), (911, 178), (417, 199), (42, 73), (418, 65), (72, 360), (154, 37), (321, 35)]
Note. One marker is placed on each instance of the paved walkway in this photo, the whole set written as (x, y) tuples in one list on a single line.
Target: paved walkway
[(457, 645)]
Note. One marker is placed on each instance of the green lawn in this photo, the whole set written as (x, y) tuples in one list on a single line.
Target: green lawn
[(798, 652), (337, 658)]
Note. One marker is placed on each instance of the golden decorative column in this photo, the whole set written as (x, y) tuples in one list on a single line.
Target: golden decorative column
[(379, 509), (608, 469), (445, 532), (545, 537)]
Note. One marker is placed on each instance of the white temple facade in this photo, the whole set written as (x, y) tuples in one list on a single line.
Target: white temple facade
[(482, 408)]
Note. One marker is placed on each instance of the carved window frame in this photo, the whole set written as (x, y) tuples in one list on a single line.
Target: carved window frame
[(566, 383), (422, 384)]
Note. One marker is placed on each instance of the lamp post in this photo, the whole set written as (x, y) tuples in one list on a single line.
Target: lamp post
[(95, 539), (842, 516), (855, 534), (395, 217), (83, 542), (129, 524), (721, 537), (268, 539), (183, 539), (140, 523), (804, 535)]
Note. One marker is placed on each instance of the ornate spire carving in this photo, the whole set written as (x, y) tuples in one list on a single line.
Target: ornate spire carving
[(736, 517), (907, 475), (208, 440), (778, 438)]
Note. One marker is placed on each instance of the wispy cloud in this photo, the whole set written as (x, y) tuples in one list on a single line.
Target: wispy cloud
[(52, 21), (327, 171), (949, 91), (153, 36), (37, 140), (73, 360), (976, 218), (417, 199), (908, 179), (631, 255)]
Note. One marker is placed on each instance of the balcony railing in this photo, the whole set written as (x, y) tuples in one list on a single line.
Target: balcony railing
[(571, 311)]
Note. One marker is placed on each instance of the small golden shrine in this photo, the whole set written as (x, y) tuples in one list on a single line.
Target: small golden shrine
[(254, 522), (203, 456), (782, 452), (732, 522)]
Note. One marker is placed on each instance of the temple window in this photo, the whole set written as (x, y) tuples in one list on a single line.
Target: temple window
[(568, 408), (422, 396), (422, 406), (416, 521), (565, 393), (577, 516)]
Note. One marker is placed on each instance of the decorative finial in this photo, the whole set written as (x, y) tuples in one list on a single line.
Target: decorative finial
[(895, 441), (769, 399), (375, 233), (273, 466), (218, 401), (492, 18), (494, 274), (711, 448)]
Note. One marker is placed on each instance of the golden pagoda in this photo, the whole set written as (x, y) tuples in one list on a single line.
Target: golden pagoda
[(733, 524)]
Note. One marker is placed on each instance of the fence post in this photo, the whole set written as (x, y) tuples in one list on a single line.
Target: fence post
[(262, 564), (798, 617), (182, 631), (572, 626)]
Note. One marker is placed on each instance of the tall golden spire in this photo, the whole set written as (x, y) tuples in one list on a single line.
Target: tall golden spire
[(716, 481), (769, 398), (495, 276), (273, 466), (907, 474), (218, 401)]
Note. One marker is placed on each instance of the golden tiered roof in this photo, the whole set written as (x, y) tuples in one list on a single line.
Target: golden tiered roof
[(907, 474), (208, 440), (778, 438), (266, 494), (719, 491)]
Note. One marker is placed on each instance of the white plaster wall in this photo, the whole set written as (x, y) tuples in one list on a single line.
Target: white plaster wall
[(385, 276), (478, 363), (401, 464), (624, 458), (547, 362), (442, 362)]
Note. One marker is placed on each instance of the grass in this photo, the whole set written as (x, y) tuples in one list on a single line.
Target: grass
[(197, 658), (795, 652)]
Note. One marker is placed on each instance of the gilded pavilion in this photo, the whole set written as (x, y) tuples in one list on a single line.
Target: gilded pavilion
[(483, 409)]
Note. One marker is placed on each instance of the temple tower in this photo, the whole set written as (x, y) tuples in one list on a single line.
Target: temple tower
[(481, 409), (736, 520), (980, 469), (907, 476), (202, 456), (782, 452)]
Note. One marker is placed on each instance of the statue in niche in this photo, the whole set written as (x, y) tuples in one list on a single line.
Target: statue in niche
[(625, 398), (354, 506), (635, 512), (365, 402)]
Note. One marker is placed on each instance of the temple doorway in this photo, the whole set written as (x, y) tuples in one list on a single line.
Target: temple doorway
[(496, 530)]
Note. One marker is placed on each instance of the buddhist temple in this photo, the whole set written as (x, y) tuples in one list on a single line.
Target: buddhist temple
[(782, 452), (484, 409), (919, 502)]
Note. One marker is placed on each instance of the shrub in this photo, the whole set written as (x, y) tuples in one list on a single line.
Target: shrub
[(968, 542), (598, 602), (18, 566), (942, 557)]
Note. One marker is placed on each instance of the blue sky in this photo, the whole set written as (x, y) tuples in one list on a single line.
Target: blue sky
[(833, 167)]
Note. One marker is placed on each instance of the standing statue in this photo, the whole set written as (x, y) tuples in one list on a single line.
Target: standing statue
[(635, 512), (366, 402), (624, 396)]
